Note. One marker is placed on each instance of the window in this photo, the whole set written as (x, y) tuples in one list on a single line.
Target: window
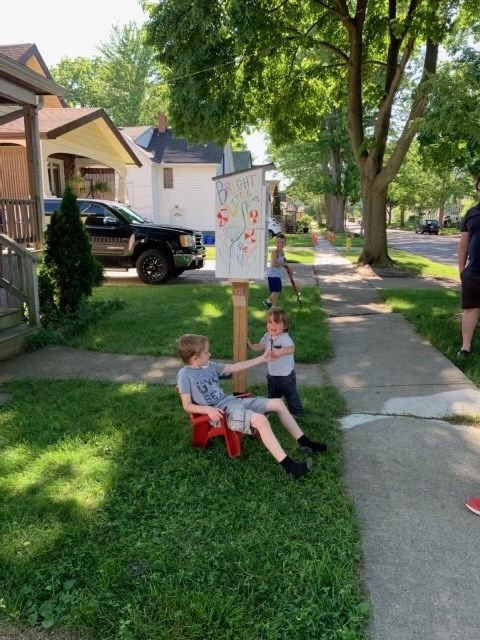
[(55, 177), (167, 178)]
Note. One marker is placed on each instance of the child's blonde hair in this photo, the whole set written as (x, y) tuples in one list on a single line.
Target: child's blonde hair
[(190, 345), (279, 315)]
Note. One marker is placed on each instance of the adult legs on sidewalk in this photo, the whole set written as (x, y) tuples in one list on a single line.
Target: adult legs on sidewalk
[(469, 322)]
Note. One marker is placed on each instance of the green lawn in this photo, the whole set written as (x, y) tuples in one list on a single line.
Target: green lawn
[(154, 317), (114, 526)]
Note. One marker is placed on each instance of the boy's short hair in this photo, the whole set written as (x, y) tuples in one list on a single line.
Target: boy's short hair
[(282, 236), (190, 345), (280, 315)]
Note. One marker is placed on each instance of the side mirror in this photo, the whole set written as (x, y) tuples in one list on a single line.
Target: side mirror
[(110, 221)]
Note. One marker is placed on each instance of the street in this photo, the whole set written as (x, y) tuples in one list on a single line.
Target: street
[(438, 248)]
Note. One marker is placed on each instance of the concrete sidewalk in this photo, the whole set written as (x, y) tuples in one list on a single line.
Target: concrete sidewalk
[(407, 471)]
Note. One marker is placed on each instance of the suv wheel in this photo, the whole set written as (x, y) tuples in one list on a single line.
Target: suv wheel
[(270, 234), (153, 267)]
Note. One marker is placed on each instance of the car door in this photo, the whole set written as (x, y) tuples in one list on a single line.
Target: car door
[(108, 234)]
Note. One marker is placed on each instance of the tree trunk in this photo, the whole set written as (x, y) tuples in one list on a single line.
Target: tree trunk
[(374, 199), (389, 213), (335, 207), (402, 216), (441, 213)]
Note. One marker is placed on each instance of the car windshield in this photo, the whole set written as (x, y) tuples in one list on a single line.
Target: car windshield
[(127, 214)]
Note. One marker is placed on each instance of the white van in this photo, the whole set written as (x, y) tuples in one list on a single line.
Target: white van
[(451, 220)]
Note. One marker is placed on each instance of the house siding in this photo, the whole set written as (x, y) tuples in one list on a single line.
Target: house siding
[(139, 191), (191, 202), (13, 172)]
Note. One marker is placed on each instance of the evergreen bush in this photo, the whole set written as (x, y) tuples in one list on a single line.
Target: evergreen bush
[(69, 271)]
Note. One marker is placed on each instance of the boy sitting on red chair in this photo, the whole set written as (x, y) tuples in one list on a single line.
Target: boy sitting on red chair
[(200, 393)]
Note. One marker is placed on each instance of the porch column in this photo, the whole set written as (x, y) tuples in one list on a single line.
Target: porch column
[(122, 190), (34, 169)]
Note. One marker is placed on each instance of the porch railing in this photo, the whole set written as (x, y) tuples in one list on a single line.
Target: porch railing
[(18, 220), (18, 278)]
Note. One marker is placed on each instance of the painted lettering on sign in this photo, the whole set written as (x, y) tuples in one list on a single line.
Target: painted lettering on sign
[(240, 225)]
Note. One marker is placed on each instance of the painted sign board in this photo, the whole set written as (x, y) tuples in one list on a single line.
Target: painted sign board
[(241, 224)]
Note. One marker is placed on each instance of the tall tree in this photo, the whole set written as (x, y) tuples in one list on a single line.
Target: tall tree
[(124, 78), (449, 133), (233, 63), (80, 77), (325, 167)]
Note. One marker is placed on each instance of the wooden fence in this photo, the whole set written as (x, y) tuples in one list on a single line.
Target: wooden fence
[(18, 220)]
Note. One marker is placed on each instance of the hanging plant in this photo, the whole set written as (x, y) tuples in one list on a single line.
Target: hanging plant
[(77, 184), (97, 188)]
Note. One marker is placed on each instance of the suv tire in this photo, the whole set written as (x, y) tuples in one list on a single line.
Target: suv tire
[(153, 267), (270, 234)]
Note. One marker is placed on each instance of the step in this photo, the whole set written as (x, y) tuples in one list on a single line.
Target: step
[(13, 339), (9, 317)]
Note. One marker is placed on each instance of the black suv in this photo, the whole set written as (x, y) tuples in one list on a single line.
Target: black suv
[(428, 226), (122, 238)]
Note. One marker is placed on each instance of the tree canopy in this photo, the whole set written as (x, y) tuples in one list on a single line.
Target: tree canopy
[(124, 79), (324, 166), (233, 64)]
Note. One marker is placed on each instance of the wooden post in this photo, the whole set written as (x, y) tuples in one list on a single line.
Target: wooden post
[(34, 169), (240, 330)]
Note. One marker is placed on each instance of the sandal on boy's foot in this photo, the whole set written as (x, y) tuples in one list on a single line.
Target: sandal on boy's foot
[(267, 304), (463, 353)]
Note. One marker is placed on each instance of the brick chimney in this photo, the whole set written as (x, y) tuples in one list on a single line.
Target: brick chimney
[(162, 122)]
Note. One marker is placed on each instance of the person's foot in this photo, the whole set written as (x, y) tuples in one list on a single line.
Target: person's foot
[(319, 447), (473, 504), (296, 469), (463, 353), (310, 446), (267, 304)]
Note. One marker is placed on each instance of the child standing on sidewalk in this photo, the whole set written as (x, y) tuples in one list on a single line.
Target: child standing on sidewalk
[(200, 393), (278, 264), (281, 377)]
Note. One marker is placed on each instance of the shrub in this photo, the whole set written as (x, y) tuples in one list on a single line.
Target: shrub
[(69, 271)]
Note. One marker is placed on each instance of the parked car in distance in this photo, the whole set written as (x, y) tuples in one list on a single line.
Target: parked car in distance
[(274, 227), (428, 226), (120, 237), (451, 220)]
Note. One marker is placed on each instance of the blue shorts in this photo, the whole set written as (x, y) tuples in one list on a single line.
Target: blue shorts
[(275, 285)]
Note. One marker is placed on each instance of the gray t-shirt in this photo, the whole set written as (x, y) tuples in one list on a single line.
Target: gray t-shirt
[(277, 272), (202, 384), (284, 365)]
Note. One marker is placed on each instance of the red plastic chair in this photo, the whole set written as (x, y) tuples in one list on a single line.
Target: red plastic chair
[(203, 432)]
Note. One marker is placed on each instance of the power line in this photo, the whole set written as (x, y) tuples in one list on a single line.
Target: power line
[(195, 73)]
